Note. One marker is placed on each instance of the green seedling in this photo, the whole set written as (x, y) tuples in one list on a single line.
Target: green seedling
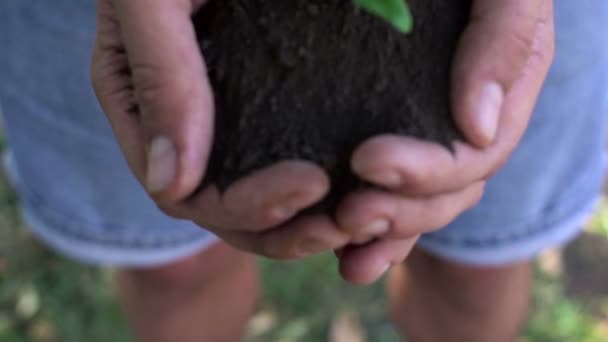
[(396, 12)]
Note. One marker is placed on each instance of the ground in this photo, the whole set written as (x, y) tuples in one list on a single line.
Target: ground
[(44, 297)]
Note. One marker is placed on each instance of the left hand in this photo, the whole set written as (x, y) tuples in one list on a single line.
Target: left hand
[(502, 60), (150, 79)]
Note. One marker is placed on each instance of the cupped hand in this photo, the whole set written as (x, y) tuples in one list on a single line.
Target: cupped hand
[(502, 60), (150, 79)]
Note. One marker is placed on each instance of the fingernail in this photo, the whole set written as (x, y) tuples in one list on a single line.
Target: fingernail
[(288, 207), (377, 227), (389, 179), (162, 160), (282, 212), (385, 269), (361, 240), (488, 111)]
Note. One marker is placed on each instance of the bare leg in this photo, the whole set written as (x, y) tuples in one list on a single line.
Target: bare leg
[(432, 300), (209, 297)]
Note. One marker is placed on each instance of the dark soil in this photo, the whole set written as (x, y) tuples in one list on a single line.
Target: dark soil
[(311, 79)]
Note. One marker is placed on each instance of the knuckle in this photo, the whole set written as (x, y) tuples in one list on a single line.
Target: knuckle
[(512, 34), (111, 84), (101, 74), (531, 41), (159, 88), (543, 50), (520, 44)]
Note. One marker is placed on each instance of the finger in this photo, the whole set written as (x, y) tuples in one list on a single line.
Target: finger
[(303, 237), (264, 199), (383, 215), (415, 167), (113, 87), (366, 264), (172, 93), (493, 52)]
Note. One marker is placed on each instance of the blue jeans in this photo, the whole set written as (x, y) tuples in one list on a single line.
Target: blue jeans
[(78, 195)]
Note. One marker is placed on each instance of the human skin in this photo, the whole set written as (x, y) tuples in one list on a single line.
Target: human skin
[(501, 63)]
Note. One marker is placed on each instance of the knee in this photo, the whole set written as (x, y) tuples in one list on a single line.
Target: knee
[(215, 263), (468, 287), (452, 273)]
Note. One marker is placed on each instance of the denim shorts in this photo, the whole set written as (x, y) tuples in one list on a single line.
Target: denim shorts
[(78, 196)]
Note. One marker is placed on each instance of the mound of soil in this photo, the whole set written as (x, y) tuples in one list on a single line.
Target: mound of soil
[(312, 79)]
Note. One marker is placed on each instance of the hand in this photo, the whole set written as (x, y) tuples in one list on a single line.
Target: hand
[(502, 61), (150, 79)]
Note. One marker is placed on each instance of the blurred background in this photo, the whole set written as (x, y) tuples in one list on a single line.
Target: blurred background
[(44, 297), (47, 298)]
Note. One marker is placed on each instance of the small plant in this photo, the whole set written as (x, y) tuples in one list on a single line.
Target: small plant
[(396, 12)]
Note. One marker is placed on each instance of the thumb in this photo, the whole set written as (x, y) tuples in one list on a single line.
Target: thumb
[(171, 91), (491, 56)]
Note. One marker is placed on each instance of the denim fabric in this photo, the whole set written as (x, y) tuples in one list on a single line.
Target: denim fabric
[(78, 195), (76, 191), (549, 186)]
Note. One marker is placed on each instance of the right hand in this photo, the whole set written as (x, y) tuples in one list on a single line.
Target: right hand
[(150, 79), (501, 64)]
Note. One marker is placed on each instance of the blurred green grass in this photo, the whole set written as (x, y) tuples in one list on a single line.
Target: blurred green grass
[(44, 297)]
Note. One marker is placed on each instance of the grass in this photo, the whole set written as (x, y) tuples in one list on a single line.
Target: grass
[(44, 297)]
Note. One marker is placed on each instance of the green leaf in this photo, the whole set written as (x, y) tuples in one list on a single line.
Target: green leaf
[(395, 12)]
